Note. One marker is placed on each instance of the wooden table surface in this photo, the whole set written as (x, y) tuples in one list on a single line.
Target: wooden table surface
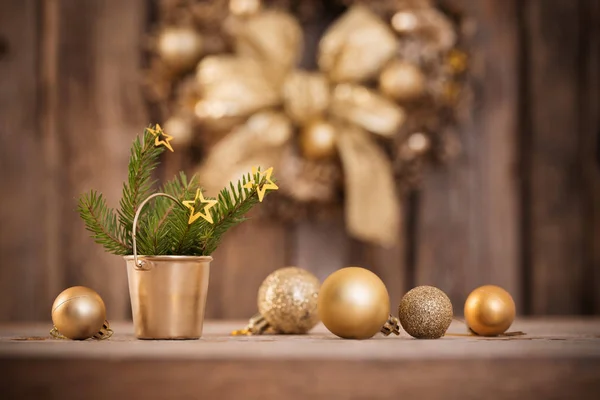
[(557, 358)]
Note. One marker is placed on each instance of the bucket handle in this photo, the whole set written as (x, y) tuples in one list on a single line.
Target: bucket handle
[(139, 264)]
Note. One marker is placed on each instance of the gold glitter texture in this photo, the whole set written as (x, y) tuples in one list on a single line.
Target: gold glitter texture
[(425, 312), (287, 299)]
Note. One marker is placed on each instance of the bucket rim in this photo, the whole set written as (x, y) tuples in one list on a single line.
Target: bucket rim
[(170, 258)]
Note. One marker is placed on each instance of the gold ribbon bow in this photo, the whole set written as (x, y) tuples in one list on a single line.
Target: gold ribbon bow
[(261, 85)]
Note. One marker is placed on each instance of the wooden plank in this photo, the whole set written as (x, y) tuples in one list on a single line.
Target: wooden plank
[(557, 187), (322, 247), (390, 263), (294, 379), (248, 253), (542, 339), (589, 85), (467, 231), (21, 161), (559, 358), (100, 110)]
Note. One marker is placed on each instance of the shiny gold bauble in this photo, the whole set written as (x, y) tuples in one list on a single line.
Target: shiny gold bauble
[(317, 140), (287, 299), (353, 303), (180, 47), (489, 310), (425, 312), (402, 81), (78, 313)]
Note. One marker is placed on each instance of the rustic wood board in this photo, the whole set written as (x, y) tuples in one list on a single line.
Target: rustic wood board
[(558, 358)]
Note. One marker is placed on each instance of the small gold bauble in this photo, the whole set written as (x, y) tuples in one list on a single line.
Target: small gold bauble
[(418, 143), (244, 7), (353, 303), (317, 140), (425, 312), (405, 22), (180, 47), (402, 81), (489, 310), (78, 313), (287, 299), (180, 128)]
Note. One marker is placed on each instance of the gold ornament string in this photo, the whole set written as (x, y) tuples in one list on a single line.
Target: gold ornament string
[(104, 333)]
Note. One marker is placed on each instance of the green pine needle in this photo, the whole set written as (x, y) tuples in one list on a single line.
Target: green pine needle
[(163, 227)]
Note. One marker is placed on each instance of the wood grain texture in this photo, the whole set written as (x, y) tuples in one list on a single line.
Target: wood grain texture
[(557, 186), (593, 129), (22, 207), (389, 263), (518, 208), (322, 247), (467, 226), (100, 110), (248, 253), (589, 86), (557, 359)]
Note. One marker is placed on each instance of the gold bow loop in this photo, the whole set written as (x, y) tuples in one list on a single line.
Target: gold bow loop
[(261, 76), (274, 38), (356, 47)]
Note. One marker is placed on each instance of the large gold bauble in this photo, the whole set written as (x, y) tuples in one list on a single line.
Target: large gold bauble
[(425, 312), (353, 303), (78, 313), (180, 47), (489, 310), (317, 140), (402, 81), (287, 299)]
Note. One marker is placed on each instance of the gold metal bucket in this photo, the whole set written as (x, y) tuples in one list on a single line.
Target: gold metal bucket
[(168, 293)]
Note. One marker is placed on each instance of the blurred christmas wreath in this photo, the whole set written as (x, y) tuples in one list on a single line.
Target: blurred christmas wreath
[(355, 130)]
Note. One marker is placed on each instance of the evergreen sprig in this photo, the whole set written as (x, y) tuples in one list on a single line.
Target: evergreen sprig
[(163, 227)]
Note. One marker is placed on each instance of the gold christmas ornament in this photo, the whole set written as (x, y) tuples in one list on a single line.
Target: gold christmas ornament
[(489, 310), (317, 140), (425, 312), (402, 81), (179, 47), (181, 129), (78, 313), (244, 7), (287, 303), (354, 304)]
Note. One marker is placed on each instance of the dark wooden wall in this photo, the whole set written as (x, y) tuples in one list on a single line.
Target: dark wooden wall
[(518, 208)]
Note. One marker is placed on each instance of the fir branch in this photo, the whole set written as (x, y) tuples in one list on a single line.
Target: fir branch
[(102, 222), (234, 203), (143, 160)]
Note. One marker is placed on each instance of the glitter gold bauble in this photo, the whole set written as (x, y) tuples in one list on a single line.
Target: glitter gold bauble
[(402, 81), (425, 312), (180, 47), (287, 299), (317, 140), (78, 313), (489, 310), (353, 303)]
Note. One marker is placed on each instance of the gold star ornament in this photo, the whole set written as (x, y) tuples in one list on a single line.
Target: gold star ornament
[(157, 132), (191, 204), (262, 189)]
